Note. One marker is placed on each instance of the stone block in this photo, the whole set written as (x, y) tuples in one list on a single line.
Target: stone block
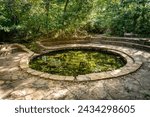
[(83, 78)]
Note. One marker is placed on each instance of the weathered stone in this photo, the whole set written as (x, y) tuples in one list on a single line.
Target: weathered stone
[(45, 75), (13, 69), (8, 82), (1, 82), (116, 72), (40, 84), (69, 78), (25, 82), (146, 55), (24, 60), (38, 95), (4, 69), (61, 94), (15, 77), (4, 94), (138, 53), (98, 92), (94, 76), (29, 97), (24, 66), (132, 86), (36, 73), (57, 77), (83, 78), (18, 93), (146, 93), (29, 70), (29, 90), (98, 76)]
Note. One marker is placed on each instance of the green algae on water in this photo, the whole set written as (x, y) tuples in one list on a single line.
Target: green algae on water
[(77, 62)]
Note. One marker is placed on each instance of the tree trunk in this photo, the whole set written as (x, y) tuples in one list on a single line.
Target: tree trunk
[(47, 6), (64, 12), (66, 4)]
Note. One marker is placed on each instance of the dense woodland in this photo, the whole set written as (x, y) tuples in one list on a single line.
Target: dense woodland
[(27, 19)]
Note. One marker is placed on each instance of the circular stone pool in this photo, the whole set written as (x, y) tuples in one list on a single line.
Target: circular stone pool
[(77, 61)]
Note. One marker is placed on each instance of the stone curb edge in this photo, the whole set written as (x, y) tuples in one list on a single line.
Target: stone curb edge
[(130, 67)]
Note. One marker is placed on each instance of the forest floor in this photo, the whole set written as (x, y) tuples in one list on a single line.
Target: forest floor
[(16, 84)]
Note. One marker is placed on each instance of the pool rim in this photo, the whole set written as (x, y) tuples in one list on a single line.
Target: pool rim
[(131, 66)]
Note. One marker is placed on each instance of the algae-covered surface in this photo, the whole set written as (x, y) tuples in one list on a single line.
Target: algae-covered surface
[(75, 62)]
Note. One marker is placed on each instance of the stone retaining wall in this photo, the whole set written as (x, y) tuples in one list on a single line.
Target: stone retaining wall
[(138, 43)]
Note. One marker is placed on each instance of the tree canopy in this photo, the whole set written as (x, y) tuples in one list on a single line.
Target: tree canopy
[(27, 18)]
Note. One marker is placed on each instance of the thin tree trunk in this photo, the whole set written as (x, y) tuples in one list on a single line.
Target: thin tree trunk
[(64, 12), (66, 4), (47, 6)]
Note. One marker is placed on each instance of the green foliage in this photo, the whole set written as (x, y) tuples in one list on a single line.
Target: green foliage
[(96, 25), (122, 16), (30, 18), (76, 62), (12, 16)]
